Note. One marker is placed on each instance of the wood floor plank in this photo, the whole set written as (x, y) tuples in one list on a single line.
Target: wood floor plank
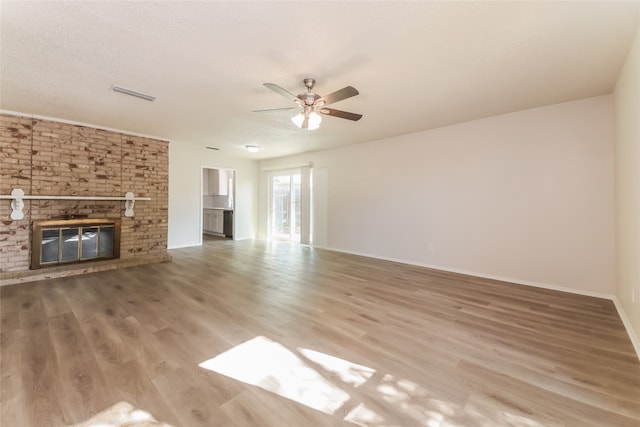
[(9, 309), (388, 344), (130, 384), (55, 302), (12, 394), (487, 409), (41, 380), (83, 389), (142, 346), (105, 343), (494, 385)]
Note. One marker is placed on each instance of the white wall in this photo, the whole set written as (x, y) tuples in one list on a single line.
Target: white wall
[(526, 196), (185, 174), (627, 152)]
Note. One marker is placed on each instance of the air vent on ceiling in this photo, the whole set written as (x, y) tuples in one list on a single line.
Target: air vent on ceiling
[(133, 93)]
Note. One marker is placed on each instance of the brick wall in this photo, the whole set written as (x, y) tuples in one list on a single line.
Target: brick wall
[(50, 158)]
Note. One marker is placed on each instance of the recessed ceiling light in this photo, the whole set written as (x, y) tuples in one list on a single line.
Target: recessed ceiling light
[(133, 93), (253, 148)]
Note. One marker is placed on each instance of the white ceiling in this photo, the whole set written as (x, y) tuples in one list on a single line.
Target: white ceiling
[(417, 65)]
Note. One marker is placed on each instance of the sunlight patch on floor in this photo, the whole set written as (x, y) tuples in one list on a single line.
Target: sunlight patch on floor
[(348, 372), (272, 367), (122, 414), (326, 383), (364, 416)]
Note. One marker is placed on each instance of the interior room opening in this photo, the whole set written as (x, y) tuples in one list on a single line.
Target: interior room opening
[(218, 203)]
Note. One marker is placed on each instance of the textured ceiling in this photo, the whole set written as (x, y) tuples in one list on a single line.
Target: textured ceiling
[(417, 65)]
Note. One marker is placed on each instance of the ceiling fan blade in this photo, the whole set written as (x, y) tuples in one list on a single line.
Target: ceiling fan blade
[(274, 87), (339, 95), (266, 110), (341, 114)]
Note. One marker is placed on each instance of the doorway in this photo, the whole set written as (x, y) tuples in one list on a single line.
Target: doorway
[(218, 203), (285, 206)]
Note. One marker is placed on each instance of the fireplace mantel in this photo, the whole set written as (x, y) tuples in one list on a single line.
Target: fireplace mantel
[(17, 198)]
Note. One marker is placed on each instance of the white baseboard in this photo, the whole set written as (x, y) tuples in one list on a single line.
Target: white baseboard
[(190, 245), (482, 275), (635, 341)]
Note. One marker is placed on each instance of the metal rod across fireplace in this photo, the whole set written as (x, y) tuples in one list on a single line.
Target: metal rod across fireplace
[(56, 242)]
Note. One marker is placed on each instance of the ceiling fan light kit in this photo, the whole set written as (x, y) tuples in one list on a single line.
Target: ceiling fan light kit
[(313, 120), (313, 105)]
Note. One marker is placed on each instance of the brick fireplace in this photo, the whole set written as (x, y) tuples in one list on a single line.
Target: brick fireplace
[(44, 157)]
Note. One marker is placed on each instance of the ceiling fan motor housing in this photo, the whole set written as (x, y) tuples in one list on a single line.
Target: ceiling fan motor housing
[(308, 98)]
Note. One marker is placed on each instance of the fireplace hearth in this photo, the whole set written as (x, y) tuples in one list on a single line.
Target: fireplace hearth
[(57, 242)]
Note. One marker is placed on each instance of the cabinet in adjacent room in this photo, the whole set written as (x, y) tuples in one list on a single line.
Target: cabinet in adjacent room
[(213, 221)]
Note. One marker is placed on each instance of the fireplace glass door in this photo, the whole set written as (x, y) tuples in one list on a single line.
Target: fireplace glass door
[(105, 242), (50, 245), (90, 242), (69, 245), (61, 242)]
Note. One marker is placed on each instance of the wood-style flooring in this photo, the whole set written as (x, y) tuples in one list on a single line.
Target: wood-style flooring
[(256, 333)]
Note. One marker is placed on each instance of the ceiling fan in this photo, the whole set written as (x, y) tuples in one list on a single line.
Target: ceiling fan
[(313, 105)]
